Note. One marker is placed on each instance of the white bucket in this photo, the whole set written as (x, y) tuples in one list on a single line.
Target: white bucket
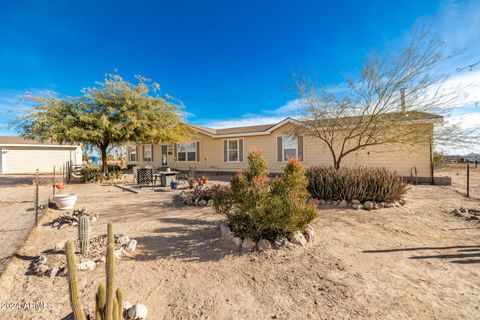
[(65, 201)]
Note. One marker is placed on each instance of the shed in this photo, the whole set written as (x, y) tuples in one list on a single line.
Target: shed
[(19, 155)]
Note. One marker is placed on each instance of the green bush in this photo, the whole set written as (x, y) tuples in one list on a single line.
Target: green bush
[(361, 183), (260, 207), (95, 174)]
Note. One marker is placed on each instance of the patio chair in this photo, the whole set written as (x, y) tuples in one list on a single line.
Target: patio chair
[(145, 177)]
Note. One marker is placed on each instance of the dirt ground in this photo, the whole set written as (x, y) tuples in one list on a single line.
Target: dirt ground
[(414, 262), (17, 213), (458, 172)]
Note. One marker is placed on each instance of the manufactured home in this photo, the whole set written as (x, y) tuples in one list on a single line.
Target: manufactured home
[(225, 150), (18, 155)]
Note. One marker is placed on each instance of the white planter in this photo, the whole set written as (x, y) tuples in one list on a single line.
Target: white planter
[(65, 201)]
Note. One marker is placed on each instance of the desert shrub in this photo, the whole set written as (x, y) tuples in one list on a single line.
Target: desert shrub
[(260, 207), (207, 193), (361, 183), (95, 174)]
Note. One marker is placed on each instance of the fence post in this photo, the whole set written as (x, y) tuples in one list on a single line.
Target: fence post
[(36, 198), (54, 180), (468, 180), (63, 173)]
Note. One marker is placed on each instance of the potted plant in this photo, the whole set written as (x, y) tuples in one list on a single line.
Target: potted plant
[(200, 182), (173, 184), (204, 179), (192, 183)]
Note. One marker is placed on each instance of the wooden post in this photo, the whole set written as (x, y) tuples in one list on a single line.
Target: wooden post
[(432, 179), (54, 180), (468, 180), (36, 198)]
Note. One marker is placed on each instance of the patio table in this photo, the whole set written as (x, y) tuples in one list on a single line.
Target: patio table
[(165, 177)]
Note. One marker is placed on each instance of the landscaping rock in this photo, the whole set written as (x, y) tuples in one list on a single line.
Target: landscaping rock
[(210, 203), (225, 228), (355, 201), (248, 245), (263, 245), (62, 272), (298, 238), (389, 205), (402, 202), (368, 205), (381, 205), (41, 269), (229, 236), (357, 206), (202, 203), (321, 202), (237, 241), (51, 273), (376, 206), (396, 204), (131, 246), (86, 265), (343, 204), (309, 233), (137, 311), (120, 253), (123, 240), (127, 305)]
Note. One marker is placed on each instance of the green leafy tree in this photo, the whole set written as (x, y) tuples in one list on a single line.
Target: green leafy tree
[(114, 112)]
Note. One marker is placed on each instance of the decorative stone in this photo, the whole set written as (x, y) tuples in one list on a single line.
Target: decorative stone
[(357, 206), (368, 205), (202, 203), (298, 238), (52, 272), (263, 245), (120, 253), (127, 305), (225, 228), (389, 205), (381, 205), (237, 241), (402, 202), (131, 246), (137, 311), (62, 272), (376, 206), (355, 201), (279, 242), (248, 245), (210, 203), (321, 202), (309, 233), (343, 204), (396, 204), (86, 265), (123, 240)]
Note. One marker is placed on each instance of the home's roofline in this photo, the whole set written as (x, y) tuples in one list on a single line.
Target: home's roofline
[(39, 145), (213, 133)]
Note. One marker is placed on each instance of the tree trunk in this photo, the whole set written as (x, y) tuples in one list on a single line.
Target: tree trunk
[(336, 164), (103, 150)]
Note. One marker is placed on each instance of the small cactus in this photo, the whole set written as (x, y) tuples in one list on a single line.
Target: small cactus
[(109, 306), (84, 234), (72, 282)]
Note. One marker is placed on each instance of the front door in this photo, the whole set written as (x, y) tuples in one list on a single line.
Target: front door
[(164, 155)]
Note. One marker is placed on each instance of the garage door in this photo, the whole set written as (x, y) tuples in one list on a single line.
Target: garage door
[(27, 160)]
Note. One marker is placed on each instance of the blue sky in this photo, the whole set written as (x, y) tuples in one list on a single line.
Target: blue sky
[(229, 62)]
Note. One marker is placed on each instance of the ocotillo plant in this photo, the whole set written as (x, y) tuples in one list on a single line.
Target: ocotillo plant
[(108, 305), (84, 234)]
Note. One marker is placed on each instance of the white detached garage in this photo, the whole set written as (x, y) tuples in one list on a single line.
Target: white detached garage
[(18, 155)]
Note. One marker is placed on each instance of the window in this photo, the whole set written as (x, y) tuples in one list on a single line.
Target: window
[(290, 148), (187, 151), (147, 152), (132, 154), (232, 150)]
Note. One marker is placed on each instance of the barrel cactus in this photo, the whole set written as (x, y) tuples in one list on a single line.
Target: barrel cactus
[(84, 234)]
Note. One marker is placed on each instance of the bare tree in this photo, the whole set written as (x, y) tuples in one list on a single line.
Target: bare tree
[(395, 100)]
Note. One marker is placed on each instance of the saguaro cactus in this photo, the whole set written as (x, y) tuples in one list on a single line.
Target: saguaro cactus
[(72, 282), (109, 306), (84, 234)]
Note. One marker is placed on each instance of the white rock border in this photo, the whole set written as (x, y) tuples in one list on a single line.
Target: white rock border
[(357, 205), (248, 245)]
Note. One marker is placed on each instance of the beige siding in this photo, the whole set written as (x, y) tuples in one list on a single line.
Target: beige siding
[(394, 157), (28, 159)]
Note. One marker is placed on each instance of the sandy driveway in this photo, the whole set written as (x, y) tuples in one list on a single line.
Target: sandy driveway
[(418, 261)]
